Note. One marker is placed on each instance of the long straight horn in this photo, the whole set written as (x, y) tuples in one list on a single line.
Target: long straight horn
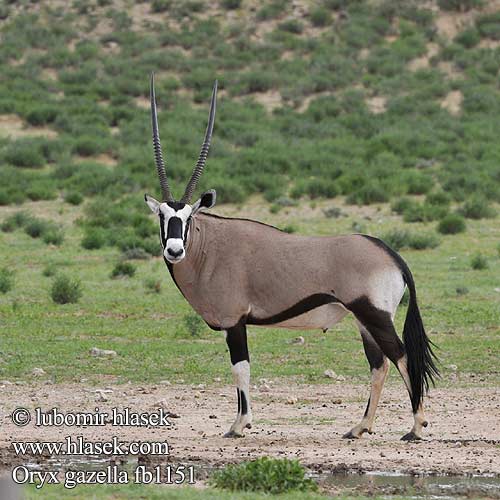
[(202, 159), (160, 164)]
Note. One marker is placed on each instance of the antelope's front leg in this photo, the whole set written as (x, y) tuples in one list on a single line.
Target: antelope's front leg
[(236, 339)]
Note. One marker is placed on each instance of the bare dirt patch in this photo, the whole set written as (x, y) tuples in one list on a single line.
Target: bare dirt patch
[(453, 102), (463, 435), (14, 127)]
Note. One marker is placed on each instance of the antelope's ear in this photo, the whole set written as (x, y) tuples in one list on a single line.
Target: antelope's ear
[(153, 204), (207, 200)]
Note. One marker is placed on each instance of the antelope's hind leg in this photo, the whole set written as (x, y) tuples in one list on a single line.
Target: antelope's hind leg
[(379, 367), (236, 339)]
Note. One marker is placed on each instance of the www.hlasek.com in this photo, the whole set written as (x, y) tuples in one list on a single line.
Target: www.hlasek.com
[(78, 446)]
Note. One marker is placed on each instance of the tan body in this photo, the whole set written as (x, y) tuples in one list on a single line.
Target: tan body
[(236, 268)]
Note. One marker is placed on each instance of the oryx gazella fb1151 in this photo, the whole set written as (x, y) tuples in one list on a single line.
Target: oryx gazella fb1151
[(238, 272)]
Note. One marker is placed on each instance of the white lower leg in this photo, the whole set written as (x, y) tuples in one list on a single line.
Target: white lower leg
[(241, 377), (377, 383), (419, 420)]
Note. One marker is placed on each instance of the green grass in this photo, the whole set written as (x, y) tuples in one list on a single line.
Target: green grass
[(154, 344), (140, 492)]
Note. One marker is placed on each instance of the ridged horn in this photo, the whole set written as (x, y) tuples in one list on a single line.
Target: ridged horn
[(202, 159), (160, 164)]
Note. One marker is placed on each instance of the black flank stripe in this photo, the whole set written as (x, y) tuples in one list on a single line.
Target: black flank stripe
[(305, 305)]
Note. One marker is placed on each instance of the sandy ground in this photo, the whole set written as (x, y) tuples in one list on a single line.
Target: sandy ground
[(463, 435)]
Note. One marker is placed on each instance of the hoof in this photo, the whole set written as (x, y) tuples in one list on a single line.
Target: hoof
[(349, 435), (411, 436), (233, 434)]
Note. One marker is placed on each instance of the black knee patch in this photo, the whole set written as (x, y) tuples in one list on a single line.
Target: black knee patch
[(237, 342), (380, 326)]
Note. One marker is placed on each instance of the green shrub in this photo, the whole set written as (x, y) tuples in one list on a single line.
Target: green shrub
[(368, 194), (6, 280), (152, 285), (15, 221), (270, 475), (93, 239), (53, 236), (291, 26), (489, 25), (194, 323), (400, 205), (332, 212), (459, 5), (24, 153), (399, 239), (65, 290), (42, 115), (479, 262), (438, 198), (36, 227), (451, 224), (123, 268), (468, 38), (461, 290), (73, 197), (49, 270), (424, 212), (477, 208), (320, 17), (231, 4), (290, 229)]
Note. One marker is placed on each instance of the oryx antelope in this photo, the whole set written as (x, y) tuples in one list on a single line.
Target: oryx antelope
[(237, 272)]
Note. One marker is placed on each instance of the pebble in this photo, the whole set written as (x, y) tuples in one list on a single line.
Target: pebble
[(299, 341), (102, 353), (38, 372), (291, 400)]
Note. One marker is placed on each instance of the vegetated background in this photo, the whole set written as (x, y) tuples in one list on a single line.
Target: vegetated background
[(334, 116)]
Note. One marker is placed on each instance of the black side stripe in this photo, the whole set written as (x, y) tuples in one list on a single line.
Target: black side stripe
[(305, 305)]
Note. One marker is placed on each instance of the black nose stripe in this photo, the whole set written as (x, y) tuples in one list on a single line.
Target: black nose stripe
[(174, 229)]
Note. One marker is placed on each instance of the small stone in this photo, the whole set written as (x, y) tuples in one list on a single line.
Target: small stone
[(453, 368), (217, 379), (165, 382), (329, 374), (101, 397), (340, 378), (299, 341), (264, 388), (162, 403), (102, 353), (212, 417), (38, 372), (337, 401), (291, 400)]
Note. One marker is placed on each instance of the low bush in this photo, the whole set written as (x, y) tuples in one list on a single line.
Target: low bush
[(152, 285), (73, 198), (6, 280), (65, 290), (123, 268), (24, 153), (270, 475), (53, 236), (320, 17), (451, 224), (231, 4), (291, 26), (15, 221), (49, 270), (399, 239), (477, 208), (459, 5), (479, 262), (194, 323), (93, 238), (37, 227)]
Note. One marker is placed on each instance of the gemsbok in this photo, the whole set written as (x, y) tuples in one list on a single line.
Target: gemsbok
[(237, 272)]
